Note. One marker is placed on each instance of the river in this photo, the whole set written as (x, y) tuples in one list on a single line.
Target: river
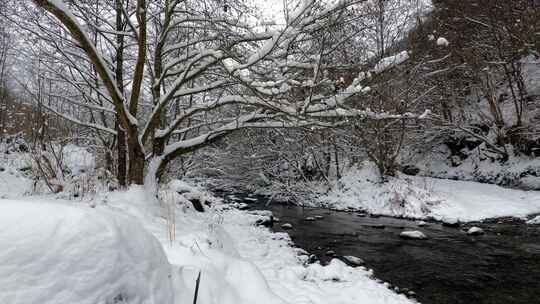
[(450, 267)]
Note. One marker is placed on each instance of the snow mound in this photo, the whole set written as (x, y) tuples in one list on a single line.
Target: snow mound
[(58, 253), (363, 189), (442, 41)]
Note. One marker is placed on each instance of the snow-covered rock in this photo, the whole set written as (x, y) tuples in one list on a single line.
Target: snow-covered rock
[(330, 253), (413, 235), (58, 253), (475, 231), (421, 223), (318, 217), (186, 194), (354, 261), (309, 219), (287, 226), (441, 41)]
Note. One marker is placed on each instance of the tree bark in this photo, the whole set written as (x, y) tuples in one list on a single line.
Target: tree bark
[(121, 150)]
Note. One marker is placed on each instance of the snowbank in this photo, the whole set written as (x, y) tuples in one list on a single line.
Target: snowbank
[(424, 197), (59, 253), (472, 201)]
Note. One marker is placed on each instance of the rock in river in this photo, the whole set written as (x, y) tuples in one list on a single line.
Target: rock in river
[(475, 231), (286, 226), (265, 221), (413, 235), (450, 223), (353, 261)]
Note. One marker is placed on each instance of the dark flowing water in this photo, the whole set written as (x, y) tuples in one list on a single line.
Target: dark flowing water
[(450, 267)]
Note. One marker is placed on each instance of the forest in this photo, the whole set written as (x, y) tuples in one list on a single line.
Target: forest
[(280, 151)]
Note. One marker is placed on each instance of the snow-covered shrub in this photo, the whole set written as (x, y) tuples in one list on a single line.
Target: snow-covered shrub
[(180, 192), (365, 189), (68, 170)]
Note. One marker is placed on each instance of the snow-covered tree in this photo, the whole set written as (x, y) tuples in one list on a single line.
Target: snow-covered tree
[(172, 76)]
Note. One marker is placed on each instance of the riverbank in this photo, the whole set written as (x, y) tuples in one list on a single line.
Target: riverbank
[(500, 266), (425, 198)]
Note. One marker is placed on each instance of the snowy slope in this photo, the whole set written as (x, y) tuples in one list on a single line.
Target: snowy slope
[(477, 162)]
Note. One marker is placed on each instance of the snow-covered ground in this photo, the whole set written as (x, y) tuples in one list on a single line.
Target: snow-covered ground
[(425, 197), (243, 263), (128, 247)]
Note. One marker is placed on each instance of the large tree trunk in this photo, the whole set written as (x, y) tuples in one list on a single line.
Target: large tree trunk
[(136, 159), (119, 74), (122, 156)]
